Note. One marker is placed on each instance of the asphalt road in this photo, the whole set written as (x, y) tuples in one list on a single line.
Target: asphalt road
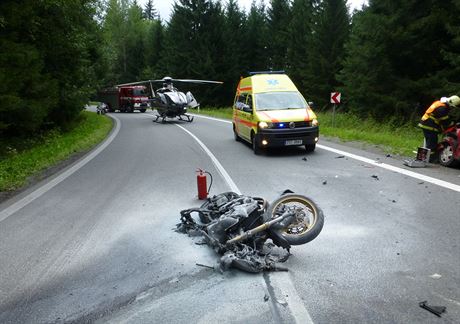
[(96, 241)]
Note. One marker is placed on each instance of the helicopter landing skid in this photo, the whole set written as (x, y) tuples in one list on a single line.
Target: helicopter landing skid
[(158, 117), (189, 118)]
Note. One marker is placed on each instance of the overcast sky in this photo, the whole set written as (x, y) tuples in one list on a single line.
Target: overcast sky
[(164, 6)]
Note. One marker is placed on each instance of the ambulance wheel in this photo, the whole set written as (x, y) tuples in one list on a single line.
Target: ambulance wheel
[(235, 134), (255, 146), (310, 147)]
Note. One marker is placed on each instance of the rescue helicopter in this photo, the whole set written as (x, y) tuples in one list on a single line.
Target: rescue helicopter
[(168, 101)]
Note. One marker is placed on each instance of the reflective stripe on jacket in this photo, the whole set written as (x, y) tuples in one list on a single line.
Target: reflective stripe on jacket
[(436, 117)]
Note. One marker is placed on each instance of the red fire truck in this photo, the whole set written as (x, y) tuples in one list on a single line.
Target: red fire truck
[(124, 98)]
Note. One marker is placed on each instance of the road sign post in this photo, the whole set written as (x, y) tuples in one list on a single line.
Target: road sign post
[(335, 100)]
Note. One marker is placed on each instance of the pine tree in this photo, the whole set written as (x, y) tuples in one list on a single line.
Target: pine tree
[(367, 73), (114, 27), (452, 53), (279, 17), (136, 29), (194, 43), (330, 31), (150, 12), (154, 51), (390, 74), (233, 51), (300, 43), (255, 40), (47, 65)]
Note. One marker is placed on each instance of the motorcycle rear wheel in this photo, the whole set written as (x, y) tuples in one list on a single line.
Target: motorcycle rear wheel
[(307, 226)]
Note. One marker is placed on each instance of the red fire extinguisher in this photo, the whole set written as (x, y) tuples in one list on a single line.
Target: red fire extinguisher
[(201, 183)]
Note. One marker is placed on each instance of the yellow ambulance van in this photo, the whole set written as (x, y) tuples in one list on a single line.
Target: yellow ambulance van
[(269, 111)]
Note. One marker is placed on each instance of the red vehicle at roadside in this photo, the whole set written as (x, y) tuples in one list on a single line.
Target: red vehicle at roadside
[(125, 98), (449, 147)]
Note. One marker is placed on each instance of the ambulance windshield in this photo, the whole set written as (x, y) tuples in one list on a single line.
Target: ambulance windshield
[(279, 100)]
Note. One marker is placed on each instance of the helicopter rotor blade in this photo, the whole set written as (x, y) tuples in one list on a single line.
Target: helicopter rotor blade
[(197, 81), (133, 83), (167, 79)]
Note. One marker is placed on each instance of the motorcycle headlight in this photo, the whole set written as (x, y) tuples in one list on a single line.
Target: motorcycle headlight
[(265, 125)]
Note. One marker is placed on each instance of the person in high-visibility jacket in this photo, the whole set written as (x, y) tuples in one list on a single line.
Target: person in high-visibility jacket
[(436, 119)]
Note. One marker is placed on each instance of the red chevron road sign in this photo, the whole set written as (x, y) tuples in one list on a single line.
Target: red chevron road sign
[(335, 97)]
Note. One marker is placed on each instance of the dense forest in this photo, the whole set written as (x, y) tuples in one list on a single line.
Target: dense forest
[(389, 60)]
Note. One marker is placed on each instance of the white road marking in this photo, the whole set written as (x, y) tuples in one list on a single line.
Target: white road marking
[(5, 213), (214, 160), (412, 174), (438, 182)]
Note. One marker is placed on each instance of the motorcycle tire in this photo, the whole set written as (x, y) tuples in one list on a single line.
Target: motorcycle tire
[(447, 155), (302, 230)]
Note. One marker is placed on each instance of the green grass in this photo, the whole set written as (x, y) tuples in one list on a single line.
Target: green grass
[(22, 158), (400, 140)]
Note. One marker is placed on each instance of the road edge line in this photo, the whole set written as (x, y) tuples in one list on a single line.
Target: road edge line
[(21, 203), (412, 174), (214, 160)]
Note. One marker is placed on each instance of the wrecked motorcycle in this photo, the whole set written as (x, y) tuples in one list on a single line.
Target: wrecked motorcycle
[(238, 227)]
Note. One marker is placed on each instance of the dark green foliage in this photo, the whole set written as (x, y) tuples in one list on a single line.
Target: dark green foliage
[(367, 73), (46, 63), (399, 55), (329, 34), (153, 52), (150, 13), (134, 44), (255, 40), (194, 45), (279, 17), (125, 33), (232, 66), (300, 41), (402, 56)]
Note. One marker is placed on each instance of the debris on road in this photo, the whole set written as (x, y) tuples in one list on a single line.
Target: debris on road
[(435, 276), (340, 157), (436, 310), (204, 266), (304, 159), (266, 297), (325, 182), (248, 233), (375, 177)]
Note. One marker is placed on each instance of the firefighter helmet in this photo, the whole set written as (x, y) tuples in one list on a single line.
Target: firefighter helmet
[(454, 101)]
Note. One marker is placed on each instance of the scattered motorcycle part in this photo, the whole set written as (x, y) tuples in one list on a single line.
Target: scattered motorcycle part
[(436, 310)]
